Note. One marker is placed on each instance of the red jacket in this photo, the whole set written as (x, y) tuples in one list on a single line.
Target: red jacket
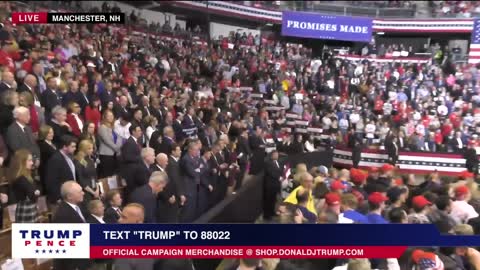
[(93, 115), (74, 125)]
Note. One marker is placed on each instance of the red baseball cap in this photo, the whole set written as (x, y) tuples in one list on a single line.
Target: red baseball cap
[(377, 198), (466, 174), (332, 198), (420, 201), (461, 190), (388, 167), (337, 185)]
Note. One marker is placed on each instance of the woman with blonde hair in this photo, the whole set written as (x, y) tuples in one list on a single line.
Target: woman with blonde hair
[(47, 149), (151, 123), (87, 174), (23, 187), (110, 145)]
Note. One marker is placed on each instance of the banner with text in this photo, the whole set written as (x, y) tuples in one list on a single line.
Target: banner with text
[(224, 240), (312, 25)]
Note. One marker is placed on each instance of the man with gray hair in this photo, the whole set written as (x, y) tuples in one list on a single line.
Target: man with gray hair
[(68, 211), (30, 85), (8, 82), (19, 135), (146, 195)]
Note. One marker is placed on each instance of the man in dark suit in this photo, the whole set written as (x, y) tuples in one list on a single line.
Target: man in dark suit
[(146, 195), (131, 148), (145, 106), (471, 159), (113, 212), (30, 85), (188, 124), (177, 127), (167, 141), (7, 83), (205, 187), (107, 95), (68, 211), (190, 166), (96, 211), (50, 98), (257, 144), (167, 200), (175, 184), (121, 107), (74, 95), (61, 168), (19, 135), (272, 185), (244, 153), (219, 168), (137, 174)]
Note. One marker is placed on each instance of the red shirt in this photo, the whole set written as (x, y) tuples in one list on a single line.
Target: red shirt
[(93, 115), (446, 129), (438, 138), (6, 60)]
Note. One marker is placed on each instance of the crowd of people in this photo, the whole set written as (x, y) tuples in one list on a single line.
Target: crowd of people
[(459, 9), (182, 123)]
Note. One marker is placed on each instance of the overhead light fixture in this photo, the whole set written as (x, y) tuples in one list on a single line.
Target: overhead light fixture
[(269, 24), (380, 33)]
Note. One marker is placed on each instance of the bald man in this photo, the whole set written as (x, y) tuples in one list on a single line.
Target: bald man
[(8, 82), (133, 213)]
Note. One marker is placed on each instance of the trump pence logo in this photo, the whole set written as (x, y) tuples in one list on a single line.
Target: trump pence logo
[(47, 240)]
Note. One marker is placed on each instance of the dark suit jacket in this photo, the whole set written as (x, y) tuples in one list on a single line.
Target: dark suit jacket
[(175, 179), (58, 172), (4, 87), (24, 88), (58, 133), (273, 174), (92, 220), (118, 111), (21, 139), (131, 152), (166, 146), (243, 148), (154, 141), (158, 113), (111, 216), (178, 129), (136, 175), (106, 97), (49, 99), (66, 214), (144, 196), (76, 97), (190, 175)]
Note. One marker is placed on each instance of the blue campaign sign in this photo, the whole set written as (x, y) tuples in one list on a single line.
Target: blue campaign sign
[(274, 235), (312, 25)]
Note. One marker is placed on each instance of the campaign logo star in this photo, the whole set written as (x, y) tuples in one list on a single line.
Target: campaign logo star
[(64, 251)]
